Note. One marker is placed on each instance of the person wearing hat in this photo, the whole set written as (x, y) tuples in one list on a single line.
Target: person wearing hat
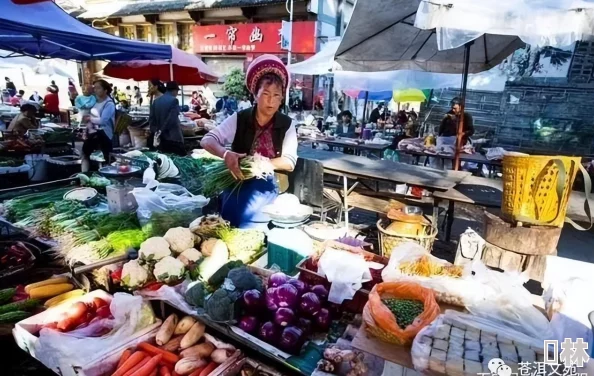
[(261, 129), (164, 121), (24, 121), (449, 124)]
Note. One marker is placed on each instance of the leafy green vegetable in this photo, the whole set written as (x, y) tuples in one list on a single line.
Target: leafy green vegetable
[(244, 280), (159, 223), (19, 208), (221, 306), (242, 244), (219, 276)]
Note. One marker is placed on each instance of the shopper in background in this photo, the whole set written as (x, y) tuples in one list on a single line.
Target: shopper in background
[(101, 124), (24, 121), (137, 96), (17, 100), (10, 86), (72, 92), (378, 115), (244, 104), (164, 119), (51, 101), (195, 104), (449, 124), (155, 90), (53, 84)]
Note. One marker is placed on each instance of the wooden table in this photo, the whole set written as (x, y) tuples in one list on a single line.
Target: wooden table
[(357, 168), (486, 192), (376, 149), (478, 158)]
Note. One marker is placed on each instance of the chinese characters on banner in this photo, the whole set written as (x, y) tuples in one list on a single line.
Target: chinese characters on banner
[(253, 38)]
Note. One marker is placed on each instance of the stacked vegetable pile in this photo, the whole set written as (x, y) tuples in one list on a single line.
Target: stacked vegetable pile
[(19, 302), (82, 315), (181, 347)]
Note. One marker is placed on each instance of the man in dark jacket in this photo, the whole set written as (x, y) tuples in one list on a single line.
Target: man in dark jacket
[(449, 124), (165, 119)]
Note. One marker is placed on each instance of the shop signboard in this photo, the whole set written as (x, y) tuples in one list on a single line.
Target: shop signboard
[(258, 38)]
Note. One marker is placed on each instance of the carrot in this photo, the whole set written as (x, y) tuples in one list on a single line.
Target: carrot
[(198, 371), (125, 355), (168, 356), (163, 371), (138, 366), (133, 360), (154, 373), (149, 367), (209, 368)]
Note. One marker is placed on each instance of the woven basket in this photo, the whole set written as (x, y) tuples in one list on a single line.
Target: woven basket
[(372, 328), (536, 188), (389, 240)]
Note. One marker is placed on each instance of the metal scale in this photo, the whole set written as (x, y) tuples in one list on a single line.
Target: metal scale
[(119, 194)]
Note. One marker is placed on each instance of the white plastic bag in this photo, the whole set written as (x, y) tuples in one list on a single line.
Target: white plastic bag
[(130, 315), (421, 347), (166, 197), (346, 271), (172, 295), (568, 310)]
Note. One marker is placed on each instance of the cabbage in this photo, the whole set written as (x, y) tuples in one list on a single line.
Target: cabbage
[(269, 333), (320, 291), (270, 299), (310, 304), (253, 301), (249, 324), (277, 279), (291, 340), (300, 285), (323, 320), (304, 324), (284, 317), (287, 296)]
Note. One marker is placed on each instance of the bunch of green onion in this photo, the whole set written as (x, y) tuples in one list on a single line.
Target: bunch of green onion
[(220, 178)]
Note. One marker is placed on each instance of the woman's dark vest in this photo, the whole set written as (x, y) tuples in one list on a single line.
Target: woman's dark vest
[(246, 131)]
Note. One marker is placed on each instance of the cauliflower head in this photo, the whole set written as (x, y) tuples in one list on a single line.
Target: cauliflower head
[(134, 275), (179, 239), (189, 256), (154, 249), (169, 270)]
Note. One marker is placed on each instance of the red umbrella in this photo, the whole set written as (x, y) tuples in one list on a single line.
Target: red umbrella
[(184, 68)]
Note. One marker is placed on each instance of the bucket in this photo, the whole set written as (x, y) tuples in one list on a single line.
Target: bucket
[(38, 171), (536, 188)]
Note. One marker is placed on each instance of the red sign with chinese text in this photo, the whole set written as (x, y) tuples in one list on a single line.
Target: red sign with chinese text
[(253, 38)]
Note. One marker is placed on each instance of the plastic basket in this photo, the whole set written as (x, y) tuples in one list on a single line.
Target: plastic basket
[(536, 188), (389, 240)]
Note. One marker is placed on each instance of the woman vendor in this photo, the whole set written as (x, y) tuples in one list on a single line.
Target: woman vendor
[(261, 129)]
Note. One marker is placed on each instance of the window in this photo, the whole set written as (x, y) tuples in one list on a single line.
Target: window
[(127, 32), (164, 33), (184, 32), (143, 32)]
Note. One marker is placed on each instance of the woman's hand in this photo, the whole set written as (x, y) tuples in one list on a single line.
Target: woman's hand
[(232, 162)]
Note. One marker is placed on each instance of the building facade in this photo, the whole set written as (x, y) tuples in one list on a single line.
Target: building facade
[(226, 34)]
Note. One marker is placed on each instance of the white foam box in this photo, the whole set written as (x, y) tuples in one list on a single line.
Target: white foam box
[(26, 332)]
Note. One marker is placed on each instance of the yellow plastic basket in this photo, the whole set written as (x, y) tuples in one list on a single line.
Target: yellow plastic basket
[(389, 240), (536, 188)]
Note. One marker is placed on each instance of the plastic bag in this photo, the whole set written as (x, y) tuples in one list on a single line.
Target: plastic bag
[(130, 316), (568, 310), (422, 344), (455, 291), (166, 197), (382, 323), (172, 295)]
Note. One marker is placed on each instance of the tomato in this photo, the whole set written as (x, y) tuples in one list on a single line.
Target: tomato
[(78, 312), (124, 168), (103, 312), (98, 303), (67, 324)]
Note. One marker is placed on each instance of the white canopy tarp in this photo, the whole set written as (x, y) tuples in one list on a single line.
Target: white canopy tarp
[(556, 23), (320, 63), (48, 67)]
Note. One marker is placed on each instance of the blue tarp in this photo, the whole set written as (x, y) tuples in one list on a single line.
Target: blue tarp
[(377, 96), (43, 29)]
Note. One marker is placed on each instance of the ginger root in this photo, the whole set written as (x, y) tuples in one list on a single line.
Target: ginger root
[(336, 355), (326, 366), (358, 368)]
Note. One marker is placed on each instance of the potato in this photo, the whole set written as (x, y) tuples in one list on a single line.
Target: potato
[(192, 336), (184, 325), (202, 350), (166, 330)]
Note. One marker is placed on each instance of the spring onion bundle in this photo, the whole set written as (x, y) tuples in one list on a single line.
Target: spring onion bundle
[(19, 208), (118, 222), (192, 172), (159, 223), (220, 178)]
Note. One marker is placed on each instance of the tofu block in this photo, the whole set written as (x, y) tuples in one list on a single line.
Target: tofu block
[(457, 332), (504, 340), (488, 338), (539, 358), (472, 355), (438, 355), (456, 341), (436, 365), (490, 349), (455, 367), (472, 335), (472, 368), (425, 340), (488, 355), (508, 353), (443, 332), (459, 324), (455, 353), (472, 345), (447, 321), (526, 355), (440, 344)]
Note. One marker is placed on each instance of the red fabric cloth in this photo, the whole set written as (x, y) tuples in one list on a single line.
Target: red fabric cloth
[(51, 103), (263, 144)]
